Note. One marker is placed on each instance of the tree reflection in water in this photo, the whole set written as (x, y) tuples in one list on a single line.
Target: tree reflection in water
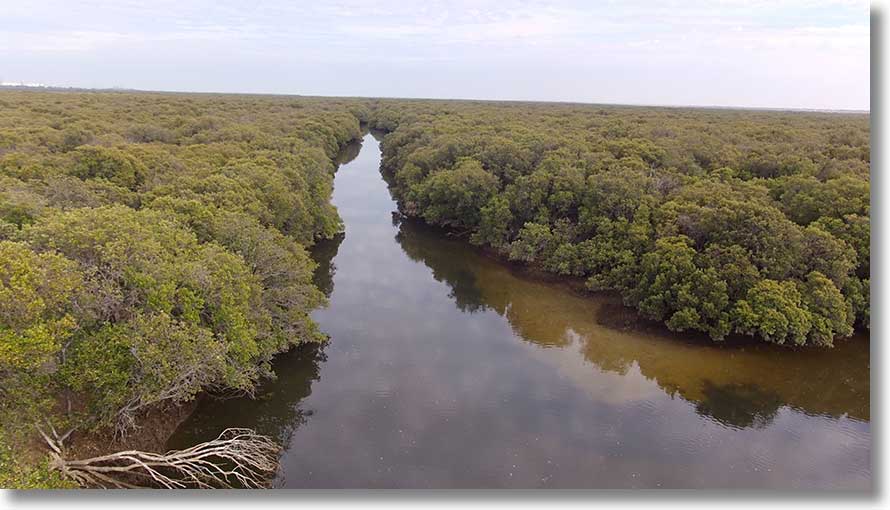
[(738, 385), (451, 369), (738, 405)]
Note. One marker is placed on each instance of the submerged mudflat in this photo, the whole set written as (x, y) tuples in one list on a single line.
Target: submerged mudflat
[(446, 369)]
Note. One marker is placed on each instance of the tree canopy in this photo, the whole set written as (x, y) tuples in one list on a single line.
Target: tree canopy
[(720, 221), (154, 246)]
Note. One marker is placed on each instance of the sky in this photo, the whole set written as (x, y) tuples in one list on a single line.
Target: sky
[(758, 53)]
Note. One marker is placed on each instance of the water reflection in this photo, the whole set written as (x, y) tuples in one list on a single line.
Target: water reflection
[(738, 405), (614, 339), (275, 411), (459, 276), (324, 253), (348, 153), (449, 369)]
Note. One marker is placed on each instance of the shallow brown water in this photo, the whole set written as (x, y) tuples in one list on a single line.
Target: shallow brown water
[(447, 369)]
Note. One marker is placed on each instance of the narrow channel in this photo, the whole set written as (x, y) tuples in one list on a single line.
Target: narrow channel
[(448, 369)]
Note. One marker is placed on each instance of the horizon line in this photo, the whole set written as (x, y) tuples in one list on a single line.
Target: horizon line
[(40, 86)]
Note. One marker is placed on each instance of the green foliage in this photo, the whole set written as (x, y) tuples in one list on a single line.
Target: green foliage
[(455, 197), (854, 230), (15, 474), (774, 311), (709, 220), (533, 242), (114, 165), (805, 199), (672, 288), (150, 359), (153, 247), (832, 316), (37, 291), (732, 265), (284, 270), (142, 263), (494, 220)]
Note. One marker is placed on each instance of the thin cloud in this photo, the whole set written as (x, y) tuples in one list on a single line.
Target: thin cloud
[(599, 50)]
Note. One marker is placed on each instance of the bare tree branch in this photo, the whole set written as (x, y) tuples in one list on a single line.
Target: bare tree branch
[(238, 458)]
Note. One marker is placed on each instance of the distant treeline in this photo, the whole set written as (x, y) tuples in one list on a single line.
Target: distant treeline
[(721, 221)]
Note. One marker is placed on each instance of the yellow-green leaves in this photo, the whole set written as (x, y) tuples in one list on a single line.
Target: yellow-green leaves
[(37, 296)]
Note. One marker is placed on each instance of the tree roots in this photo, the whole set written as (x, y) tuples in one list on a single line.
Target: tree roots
[(238, 458)]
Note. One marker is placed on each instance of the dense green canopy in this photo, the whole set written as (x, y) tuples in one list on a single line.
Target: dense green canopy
[(721, 221), (153, 246)]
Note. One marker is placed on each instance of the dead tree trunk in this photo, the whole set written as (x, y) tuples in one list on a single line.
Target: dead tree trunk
[(238, 458)]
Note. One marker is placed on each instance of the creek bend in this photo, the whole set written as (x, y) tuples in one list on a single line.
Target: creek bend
[(447, 369)]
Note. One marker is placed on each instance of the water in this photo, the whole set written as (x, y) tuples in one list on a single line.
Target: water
[(447, 369)]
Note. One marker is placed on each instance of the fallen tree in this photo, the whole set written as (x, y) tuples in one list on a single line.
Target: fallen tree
[(238, 458)]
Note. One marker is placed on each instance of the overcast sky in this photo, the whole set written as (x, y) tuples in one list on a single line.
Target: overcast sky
[(775, 53)]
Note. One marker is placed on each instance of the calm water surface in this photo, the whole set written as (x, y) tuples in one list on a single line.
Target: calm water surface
[(448, 369)]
